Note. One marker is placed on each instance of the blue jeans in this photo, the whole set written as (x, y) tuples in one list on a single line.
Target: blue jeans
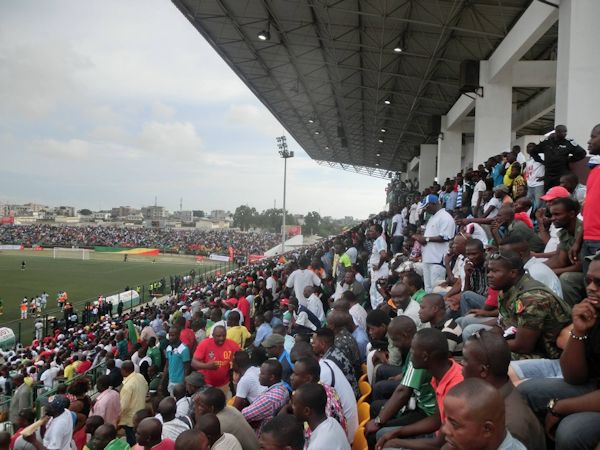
[(538, 392), (534, 194), (470, 330), (470, 300), (588, 248), (579, 431), (537, 368)]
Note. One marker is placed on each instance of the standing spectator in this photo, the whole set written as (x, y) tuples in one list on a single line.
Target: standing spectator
[(378, 263), (59, 426), (213, 358), (133, 398), (177, 360), (534, 171), (397, 232), (559, 151), (107, 404), (439, 231), (21, 398), (588, 242), (274, 345), (477, 197), (300, 278)]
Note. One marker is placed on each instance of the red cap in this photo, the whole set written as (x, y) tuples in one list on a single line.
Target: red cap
[(284, 301), (554, 193)]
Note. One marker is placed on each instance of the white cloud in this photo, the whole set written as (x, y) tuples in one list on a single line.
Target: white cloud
[(254, 118), (170, 139)]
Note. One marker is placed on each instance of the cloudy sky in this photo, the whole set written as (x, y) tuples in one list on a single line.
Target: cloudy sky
[(111, 103)]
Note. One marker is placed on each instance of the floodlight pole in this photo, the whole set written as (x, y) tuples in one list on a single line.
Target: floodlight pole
[(285, 154)]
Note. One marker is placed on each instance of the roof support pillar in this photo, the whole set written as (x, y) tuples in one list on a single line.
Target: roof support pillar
[(427, 165), (577, 93), (449, 151), (493, 115)]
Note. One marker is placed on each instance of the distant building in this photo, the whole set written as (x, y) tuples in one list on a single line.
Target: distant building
[(123, 211), (64, 211), (218, 214), (184, 216), (154, 212)]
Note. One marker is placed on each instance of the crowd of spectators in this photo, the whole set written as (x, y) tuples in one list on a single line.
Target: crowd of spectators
[(193, 242), (430, 326)]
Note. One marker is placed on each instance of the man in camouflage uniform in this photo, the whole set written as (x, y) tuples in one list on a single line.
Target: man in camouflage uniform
[(530, 315)]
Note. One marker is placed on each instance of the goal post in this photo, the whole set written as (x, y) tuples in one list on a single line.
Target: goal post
[(71, 253)]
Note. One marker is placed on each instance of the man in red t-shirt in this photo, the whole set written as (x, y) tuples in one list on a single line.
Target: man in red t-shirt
[(588, 242), (244, 306), (213, 356)]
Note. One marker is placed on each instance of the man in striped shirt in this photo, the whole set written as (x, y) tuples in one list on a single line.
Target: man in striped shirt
[(267, 404), (433, 312)]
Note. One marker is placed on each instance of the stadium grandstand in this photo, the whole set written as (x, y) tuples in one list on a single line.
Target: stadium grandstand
[(464, 316)]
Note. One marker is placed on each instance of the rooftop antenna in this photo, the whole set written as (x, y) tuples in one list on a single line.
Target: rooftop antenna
[(155, 200), (181, 204)]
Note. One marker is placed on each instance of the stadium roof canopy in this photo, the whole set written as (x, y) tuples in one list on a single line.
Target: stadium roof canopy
[(330, 66)]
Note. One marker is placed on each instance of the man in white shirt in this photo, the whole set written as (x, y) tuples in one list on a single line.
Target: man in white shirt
[(309, 404), (478, 190), (378, 262), (405, 305), (248, 387), (536, 268), (59, 426), (534, 173), (440, 229), (397, 232), (300, 278), (314, 303), (49, 375)]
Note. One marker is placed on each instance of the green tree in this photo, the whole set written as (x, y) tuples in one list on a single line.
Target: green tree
[(85, 212), (312, 222), (244, 217), (198, 213)]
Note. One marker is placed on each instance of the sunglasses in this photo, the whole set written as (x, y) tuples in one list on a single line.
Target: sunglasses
[(497, 255)]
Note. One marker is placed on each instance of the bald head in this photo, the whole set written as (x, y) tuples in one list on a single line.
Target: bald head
[(209, 424), (338, 319), (192, 440), (149, 432), (167, 408), (402, 324), (103, 435), (483, 401)]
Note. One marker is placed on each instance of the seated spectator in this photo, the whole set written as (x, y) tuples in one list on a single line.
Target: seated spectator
[(183, 401), (323, 346), (284, 432), (303, 320), (248, 387), (338, 322), (486, 355), (564, 213), (512, 227), (331, 375), (536, 268), (149, 436), (358, 313), (313, 303), (414, 283), (404, 305), (571, 183), (433, 313), (212, 401), (172, 426), (429, 351), (274, 345), (309, 404), (192, 440), (571, 404), (25, 418), (477, 418), (531, 315), (105, 438), (350, 284), (263, 330), (217, 440), (268, 403), (308, 370), (475, 288)]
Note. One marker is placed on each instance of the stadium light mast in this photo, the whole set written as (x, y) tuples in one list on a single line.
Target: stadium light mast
[(285, 154)]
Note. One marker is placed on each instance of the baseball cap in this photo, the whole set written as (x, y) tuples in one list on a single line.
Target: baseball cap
[(284, 301), (273, 340), (431, 198), (554, 193), (58, 403), (196, 379)]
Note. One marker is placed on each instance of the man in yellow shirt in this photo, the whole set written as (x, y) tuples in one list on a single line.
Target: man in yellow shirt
[(236, 332), (71, 369), (133, 398)]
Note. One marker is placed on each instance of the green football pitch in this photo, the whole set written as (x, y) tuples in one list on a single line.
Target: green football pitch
[(83, 280)]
